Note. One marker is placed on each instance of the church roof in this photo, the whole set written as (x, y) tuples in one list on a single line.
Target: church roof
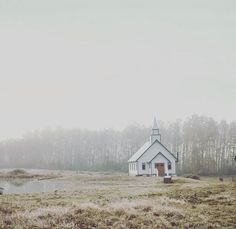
[(161, 155), (144, 148), (140, 152)]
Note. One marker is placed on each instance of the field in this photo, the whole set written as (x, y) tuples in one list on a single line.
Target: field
[(119, 201)]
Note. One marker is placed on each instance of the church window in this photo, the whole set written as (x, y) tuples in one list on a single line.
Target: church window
[(143, 166), (169, 165)]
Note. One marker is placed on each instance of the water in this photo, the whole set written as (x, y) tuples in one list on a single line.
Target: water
[(34, 186)]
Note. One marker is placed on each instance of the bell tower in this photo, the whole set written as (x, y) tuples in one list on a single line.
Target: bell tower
[(155, 135)]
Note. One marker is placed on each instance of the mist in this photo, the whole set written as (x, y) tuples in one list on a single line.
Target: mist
[(205, 147), (95, 65), (117, 114), (80, 82)]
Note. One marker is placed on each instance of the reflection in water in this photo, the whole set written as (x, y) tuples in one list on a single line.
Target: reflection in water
[(18, 182), (18, 186)]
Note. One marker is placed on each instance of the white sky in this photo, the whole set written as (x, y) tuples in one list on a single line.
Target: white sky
[(100, 64)]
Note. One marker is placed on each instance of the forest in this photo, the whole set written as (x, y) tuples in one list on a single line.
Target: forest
[(205, 147)]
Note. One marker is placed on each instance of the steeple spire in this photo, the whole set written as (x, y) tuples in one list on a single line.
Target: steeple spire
[(155, 132), (155, 124)]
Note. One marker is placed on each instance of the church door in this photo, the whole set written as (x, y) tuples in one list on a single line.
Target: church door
[(161, 169)]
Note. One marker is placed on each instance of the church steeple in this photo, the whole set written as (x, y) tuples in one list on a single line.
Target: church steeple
[(155, 132), (155, 124)]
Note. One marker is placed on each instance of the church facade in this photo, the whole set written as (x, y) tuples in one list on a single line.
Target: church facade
[(153, 158)]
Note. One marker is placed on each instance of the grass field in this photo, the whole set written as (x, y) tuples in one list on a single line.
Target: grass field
[(119, 201)]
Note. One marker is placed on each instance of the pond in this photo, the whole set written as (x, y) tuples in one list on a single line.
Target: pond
[(19, 186)]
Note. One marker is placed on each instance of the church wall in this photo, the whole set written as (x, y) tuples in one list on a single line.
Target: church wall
[(150, 154), (160, 159), (133, 169)]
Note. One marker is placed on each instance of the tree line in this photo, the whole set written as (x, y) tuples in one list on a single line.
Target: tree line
[(205, 146)]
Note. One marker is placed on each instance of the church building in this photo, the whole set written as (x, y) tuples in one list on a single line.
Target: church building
[(153, 158)]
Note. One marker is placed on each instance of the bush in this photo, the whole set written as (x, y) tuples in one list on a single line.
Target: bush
[(16, 172), (195, 177)]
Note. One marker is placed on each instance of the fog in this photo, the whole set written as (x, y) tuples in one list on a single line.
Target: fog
[(107, 64), (205, 147), (95, 69), (117, 113)]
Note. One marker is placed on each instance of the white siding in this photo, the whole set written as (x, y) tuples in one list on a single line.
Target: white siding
[(140, 168), (160, 159), (150, 154), (133, 169)]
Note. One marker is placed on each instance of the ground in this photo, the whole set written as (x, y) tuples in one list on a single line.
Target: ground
[(119, 201)]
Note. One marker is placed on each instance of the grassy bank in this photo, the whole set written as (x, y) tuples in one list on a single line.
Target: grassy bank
[(23, 174), (118, 201)]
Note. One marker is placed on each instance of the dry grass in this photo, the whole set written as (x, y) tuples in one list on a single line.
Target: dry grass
[(115, 201), (23, 174)]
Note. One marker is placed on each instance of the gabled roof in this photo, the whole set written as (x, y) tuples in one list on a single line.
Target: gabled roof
[(168, 150), (140, 152), (161, 155), (144, 148)]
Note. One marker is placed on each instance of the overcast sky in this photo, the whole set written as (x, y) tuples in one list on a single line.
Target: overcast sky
[(100, 64)]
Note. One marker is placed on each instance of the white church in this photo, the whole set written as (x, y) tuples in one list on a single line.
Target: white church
[(153, 158)]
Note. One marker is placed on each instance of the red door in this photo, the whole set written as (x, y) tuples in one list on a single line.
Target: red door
[(161, 169)]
